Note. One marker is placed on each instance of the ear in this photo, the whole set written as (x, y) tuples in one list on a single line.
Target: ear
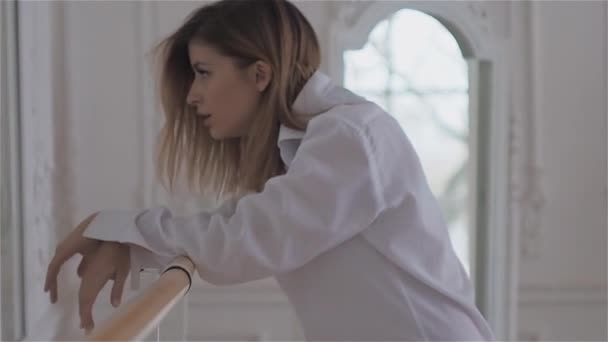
[(262, 75)]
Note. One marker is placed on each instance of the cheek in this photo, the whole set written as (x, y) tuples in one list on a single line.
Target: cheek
[(238, 104)]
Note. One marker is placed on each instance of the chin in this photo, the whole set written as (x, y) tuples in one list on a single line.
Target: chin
[(224, 134), (220, 135), (216, 135)]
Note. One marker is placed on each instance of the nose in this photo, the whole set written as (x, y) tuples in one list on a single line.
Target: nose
[(192, 98)]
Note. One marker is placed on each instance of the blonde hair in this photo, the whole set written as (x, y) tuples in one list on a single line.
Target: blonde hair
[(274, 31)]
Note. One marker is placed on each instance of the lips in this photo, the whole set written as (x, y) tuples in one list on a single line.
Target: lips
[(206, 119)]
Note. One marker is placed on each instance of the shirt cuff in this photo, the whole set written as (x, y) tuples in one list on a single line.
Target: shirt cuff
[(115, 225), (120, 226)]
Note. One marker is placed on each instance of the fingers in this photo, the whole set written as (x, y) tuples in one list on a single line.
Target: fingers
[(86, 311), (74, 243), (89, 289), (84, 263), (62, 253), (94, 278), (82, 266), (50, 283), (108, 261), (119, 285)]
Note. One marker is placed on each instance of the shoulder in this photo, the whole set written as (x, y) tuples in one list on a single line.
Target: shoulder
[(367, 128), (365, 120)]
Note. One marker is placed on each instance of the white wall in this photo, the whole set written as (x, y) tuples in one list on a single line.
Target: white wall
[(571, 100), (563, 282), (94, 115)]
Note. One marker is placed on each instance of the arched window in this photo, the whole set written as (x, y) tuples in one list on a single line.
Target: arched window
[(413, 67)]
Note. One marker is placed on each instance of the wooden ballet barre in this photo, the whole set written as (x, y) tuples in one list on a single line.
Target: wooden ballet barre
[(138, 317)]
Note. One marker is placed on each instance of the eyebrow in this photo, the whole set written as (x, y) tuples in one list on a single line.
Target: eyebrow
[(200, 64)]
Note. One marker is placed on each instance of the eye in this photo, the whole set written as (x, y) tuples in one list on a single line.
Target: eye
[(202, 73)]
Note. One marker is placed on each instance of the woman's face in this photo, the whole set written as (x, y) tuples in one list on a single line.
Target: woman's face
[(225, 95)]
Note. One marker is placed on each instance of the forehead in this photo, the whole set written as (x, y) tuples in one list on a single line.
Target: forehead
[(203, 53)]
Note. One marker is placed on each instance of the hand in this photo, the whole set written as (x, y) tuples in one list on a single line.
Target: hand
[(74, 243), (110, 261), (101, 261)]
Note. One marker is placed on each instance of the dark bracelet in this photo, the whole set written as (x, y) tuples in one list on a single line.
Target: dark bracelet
[(185, 271)]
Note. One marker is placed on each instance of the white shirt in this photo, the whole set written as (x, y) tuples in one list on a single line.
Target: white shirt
[(351, 231)]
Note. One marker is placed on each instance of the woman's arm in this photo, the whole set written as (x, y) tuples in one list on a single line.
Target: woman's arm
[(330, 193)]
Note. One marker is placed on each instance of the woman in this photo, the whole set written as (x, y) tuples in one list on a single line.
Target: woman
[(328, 194)]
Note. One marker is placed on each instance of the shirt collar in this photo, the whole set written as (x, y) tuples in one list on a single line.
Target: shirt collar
[(309, 101), (318, 95)]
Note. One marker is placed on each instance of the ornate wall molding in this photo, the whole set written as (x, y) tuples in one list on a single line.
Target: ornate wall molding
[(560, 296), (527, 195), (476, 24), (538, 300)]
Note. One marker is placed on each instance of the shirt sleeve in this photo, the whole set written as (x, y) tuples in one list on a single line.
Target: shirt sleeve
[(329, 194)]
